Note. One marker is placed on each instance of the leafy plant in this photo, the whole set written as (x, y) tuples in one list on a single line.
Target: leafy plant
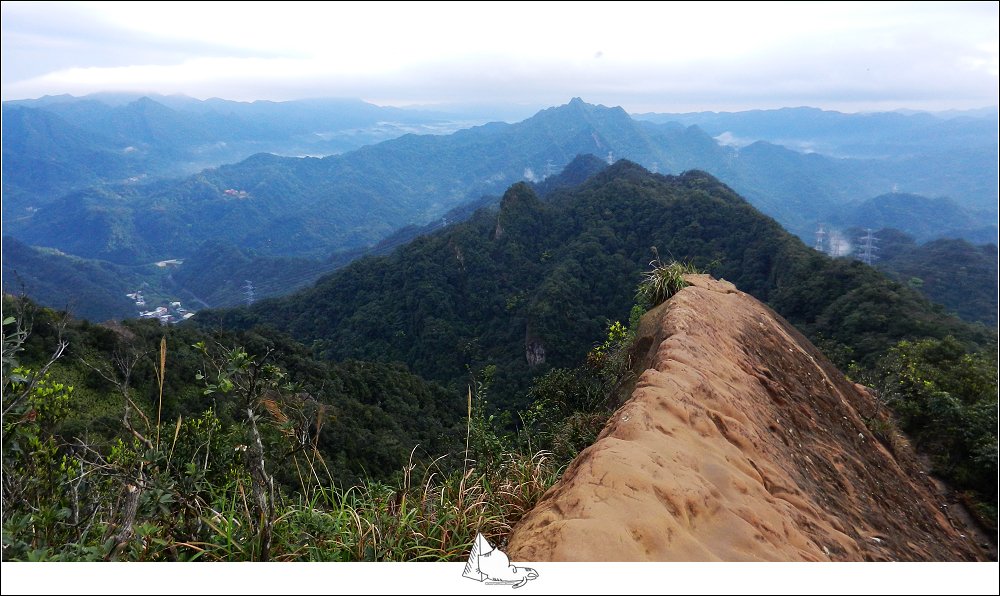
[(663, 281)]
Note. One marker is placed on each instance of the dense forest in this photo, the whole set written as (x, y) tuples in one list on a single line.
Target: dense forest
[(548, 274), (408, 398), (960, 276)]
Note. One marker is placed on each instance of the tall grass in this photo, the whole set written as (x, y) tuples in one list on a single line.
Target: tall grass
[(195, 497), (663, 281), (430, 517)]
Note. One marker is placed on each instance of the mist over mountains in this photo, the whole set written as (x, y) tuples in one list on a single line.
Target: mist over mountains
[(86, 177), (479, 306)]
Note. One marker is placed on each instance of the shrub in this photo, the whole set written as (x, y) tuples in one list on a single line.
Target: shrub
[(663, 281)]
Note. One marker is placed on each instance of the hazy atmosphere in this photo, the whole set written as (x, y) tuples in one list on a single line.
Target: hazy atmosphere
[(499, 285), (645, 57)]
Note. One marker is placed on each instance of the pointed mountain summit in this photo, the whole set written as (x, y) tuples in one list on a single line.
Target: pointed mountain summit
[(312, 207)]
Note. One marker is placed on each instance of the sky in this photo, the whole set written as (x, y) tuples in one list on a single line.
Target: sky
[(664, 57)]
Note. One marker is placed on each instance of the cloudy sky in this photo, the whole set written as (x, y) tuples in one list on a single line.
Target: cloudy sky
[(643, 56)]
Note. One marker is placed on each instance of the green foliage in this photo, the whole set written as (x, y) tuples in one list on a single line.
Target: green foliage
[(663, 281), (960, 276), (438, 314), (205, 492), (946, 399), (569, 407)]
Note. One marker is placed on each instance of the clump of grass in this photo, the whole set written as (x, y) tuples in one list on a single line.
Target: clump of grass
[(663, 281), (885, 430), (429, 516), (199, 499)]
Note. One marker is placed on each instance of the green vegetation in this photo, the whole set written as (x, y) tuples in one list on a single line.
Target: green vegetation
[(960, 276), (945, 398), (93, 290), (924, 218), (569, 407), (173, 446), (197, 451), (663, 281), (133, 441), (552, 273)]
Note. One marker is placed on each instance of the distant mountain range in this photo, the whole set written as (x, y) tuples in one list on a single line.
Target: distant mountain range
[(877, 134), (924, 218), (312, 207), (281, 222), (58, 144)]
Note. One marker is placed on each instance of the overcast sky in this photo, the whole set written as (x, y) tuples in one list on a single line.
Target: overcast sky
[(643, 56)]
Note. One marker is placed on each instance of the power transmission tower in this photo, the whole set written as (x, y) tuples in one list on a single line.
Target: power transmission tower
[(869, 246), (837, 246), (820, 239), (611, 158), (249, 293)]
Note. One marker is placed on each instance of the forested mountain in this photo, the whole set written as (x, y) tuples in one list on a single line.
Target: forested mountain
[(312, 207), (55, 145), (366, 418), (530, 285), (924, 218), (308, 207), (45, 157), (91, 289), (215, 274), (954, 273)]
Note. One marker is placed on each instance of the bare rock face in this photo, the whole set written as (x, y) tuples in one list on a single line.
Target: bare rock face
[(534, 349), (740, 442)]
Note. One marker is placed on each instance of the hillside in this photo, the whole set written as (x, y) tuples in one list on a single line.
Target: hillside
[(314, 207), (924, 218), (93, 290), (369, 417), (58, 144), (954, 273), (281, 206), (741, 442), (543, 276), (45, 157)]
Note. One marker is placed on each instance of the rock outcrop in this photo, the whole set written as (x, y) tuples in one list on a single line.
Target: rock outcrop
[(741, 442)]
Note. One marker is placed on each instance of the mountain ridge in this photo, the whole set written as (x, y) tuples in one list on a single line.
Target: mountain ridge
[(558, 269), (355, 199), (741, 442)]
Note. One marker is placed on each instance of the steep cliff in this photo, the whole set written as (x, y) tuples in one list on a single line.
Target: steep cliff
[(741, 442)]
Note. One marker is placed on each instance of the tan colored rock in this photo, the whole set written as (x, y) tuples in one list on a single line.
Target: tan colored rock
[(740, 442)]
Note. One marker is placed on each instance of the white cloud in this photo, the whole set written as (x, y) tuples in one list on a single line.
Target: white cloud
[(662, 56)]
